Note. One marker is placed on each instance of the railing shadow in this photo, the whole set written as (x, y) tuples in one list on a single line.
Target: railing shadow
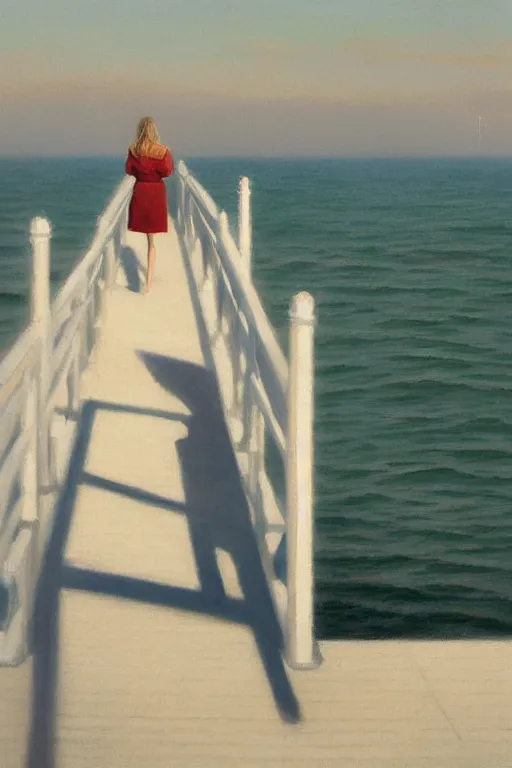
[(45, 629), (218, 518), (204, 339), (218, 514), (131, 268)]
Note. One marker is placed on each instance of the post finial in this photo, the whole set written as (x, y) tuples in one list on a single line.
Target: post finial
[(223, 221), (302, 310), (40, 227)]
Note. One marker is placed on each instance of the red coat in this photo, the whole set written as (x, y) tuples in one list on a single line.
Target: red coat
[(148, 206)]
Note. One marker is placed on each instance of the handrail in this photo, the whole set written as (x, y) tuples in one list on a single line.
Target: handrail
[(199, 192), (262, 394), (106, 225), (241, 284), (53, 350), (17, 360)]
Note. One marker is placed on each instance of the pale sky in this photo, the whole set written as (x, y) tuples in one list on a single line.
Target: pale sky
[(266, 77)]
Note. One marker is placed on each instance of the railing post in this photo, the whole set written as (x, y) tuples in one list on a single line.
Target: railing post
[(185, 209), (73, 379), (123, 225), (180, 199), (109, 253), (29, 479), (244, 221), (190, 223), (300, 641), (40, 317), (29, 471), (110, 264), (84, 331)]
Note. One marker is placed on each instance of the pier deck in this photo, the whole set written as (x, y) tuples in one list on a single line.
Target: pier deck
[(156, 641)]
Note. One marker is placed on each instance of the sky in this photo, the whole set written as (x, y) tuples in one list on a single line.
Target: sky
[(261, 78)]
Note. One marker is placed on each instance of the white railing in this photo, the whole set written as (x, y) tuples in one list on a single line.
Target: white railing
[(39, 400), (263, 394)]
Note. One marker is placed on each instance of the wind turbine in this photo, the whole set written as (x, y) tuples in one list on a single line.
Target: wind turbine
[(481, 125)]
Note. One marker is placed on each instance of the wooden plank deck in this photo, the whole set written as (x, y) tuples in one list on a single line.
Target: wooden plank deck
[(15, 710), (156, 643)]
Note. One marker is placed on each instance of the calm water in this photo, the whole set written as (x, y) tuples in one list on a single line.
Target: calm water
[(411, 266)]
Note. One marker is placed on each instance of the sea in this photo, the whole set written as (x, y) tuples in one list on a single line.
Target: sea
[(410, 264)]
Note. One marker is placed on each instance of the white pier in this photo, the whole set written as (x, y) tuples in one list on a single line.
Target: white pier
[(144, 619)]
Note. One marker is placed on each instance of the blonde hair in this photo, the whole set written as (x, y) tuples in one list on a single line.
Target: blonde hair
[(147, 136)]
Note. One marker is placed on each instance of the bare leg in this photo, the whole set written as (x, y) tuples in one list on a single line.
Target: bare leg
[(151, 261)]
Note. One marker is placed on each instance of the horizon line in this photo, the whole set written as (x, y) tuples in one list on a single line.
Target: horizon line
[(109, 156)]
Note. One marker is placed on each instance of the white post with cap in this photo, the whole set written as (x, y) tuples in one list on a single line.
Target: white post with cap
[(244, 222), (40, 317), (300, 640)]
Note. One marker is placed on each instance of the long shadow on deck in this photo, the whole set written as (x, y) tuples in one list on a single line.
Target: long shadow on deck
[(131, 268), (218, 517)]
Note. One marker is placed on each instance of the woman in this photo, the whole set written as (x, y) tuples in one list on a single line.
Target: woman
[(149, 161)]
